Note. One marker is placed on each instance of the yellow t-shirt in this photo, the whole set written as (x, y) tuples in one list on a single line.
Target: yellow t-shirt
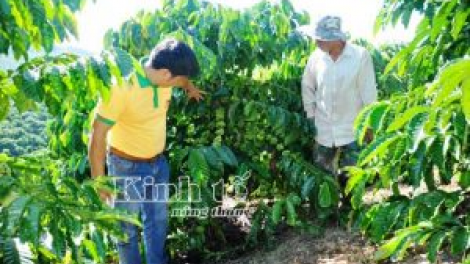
[(137, 113)]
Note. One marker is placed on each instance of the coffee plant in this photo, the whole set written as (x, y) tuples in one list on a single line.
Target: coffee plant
[(46, 215), (421, 139)]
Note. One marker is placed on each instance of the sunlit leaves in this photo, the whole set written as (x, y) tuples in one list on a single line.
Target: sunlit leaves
[(406, 117), (125, 62), (39, 24), (466, 99), (4, 106), (199, 169), (422, 133)]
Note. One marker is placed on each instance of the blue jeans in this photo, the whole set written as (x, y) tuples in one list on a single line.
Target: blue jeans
[(142, 188)]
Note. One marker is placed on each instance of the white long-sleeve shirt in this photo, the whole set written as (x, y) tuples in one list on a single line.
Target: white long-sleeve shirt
[(334, 92)]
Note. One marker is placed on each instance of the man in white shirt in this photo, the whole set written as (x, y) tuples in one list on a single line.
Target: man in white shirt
[(338, 82)]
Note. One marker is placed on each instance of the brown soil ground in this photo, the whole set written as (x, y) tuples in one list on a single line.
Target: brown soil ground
[(336, 246)]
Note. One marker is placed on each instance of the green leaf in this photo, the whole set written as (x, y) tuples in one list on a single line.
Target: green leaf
[(399, 57), (136, 36), (405, 19), (113, 216), (198, 166), (47, 36), (386, 218), (398, 244), (307, 187), (70, 22), (113, 69), (440, 21), (91, 248), (417, 163), (5, 8), (357, 176), (417, 128), (179, 155), (390, 247), (460, 240), (404, 246), (233, 112), (378, 148), (361, 123), (406, 117), (379, 21), (15, 253), (291, 214), (400, 149), (28, 82), (4, 107), (459, 22), (466, 99), (287, 7), (74, 5), (97, 238), (434, 245), (227, 156), (449, 79), (101, 70), (213, 159), (377, 115), (436, 152), (59, 244), (277, 211), (33, 213), (464, 180), (358, 194), (325, 196), (125, 62), (10, 252), (16, 211)]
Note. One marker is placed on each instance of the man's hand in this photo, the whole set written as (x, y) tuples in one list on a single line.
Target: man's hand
[(191, 90), (105, 196), (195, 94)]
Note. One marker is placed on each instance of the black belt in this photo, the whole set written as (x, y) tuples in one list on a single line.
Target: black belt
[(126, 156)]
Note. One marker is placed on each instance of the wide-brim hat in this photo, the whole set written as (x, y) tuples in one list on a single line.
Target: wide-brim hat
[(329, 29)]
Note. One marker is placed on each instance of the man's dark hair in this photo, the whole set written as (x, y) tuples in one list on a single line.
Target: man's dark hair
[(176, 56)]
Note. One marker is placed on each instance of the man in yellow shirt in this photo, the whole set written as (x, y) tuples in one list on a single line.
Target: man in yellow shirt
[(130, 131)]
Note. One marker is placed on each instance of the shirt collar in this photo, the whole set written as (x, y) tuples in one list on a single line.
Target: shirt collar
[(144, 82), (347, 51)]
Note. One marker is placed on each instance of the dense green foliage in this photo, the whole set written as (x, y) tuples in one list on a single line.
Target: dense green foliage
[(36, 24), (24, 133), (40, 203), (422, 138), (389, 83), (250, 124), (46, 215)]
